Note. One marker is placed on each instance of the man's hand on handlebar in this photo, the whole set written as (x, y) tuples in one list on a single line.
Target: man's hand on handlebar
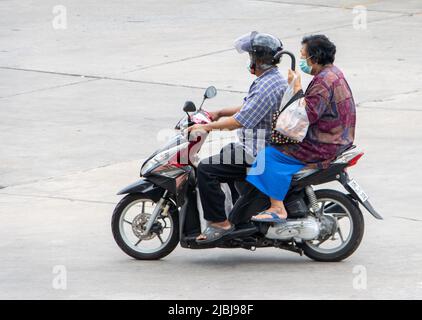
[(215, 115), (199, 127), (228, 123), (225, 112)]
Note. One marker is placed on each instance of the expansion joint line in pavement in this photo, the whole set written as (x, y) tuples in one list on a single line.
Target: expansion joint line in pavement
[(94, 77), (56, 198), (179, 60), (46, 88)]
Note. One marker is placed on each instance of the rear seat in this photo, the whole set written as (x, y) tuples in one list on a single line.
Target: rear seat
[(306, 171)]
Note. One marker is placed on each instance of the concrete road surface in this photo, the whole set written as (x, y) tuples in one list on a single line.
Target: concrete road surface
[(87, 86)]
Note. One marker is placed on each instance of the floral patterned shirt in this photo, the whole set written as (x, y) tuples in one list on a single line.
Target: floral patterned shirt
[(332, 118)]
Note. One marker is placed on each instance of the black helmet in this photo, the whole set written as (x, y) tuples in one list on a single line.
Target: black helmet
[(261, 46)]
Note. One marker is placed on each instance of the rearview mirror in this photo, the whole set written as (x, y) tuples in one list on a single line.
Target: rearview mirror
[(211, 92), (189, 107)]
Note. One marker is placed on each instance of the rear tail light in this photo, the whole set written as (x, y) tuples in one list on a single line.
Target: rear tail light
[(354, 160)]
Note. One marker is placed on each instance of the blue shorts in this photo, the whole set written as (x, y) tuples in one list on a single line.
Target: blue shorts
[(272, 172)]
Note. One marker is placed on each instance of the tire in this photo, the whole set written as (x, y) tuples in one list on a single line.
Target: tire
[(115, 227), (357, 232)]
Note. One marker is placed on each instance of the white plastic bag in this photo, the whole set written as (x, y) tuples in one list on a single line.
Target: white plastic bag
[(293, 121)]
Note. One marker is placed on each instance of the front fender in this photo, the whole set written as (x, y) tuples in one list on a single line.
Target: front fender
[(144, 186)]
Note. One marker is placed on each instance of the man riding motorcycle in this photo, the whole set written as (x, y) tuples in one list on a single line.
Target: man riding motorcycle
[(163, 208), (253, 121)]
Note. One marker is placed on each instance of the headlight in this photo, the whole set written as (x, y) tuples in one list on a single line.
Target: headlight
[(148, 166), (161, 158)]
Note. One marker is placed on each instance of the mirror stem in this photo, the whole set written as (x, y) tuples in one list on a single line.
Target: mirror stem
[(203, 100)]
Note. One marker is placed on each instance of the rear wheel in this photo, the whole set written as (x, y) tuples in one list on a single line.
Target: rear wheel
[(128, 223), (345, 218)]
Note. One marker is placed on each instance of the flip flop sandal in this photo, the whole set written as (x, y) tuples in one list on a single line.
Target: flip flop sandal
[(214, 234), (274, 217)]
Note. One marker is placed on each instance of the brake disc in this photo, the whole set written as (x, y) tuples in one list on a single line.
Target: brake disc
[(139, 225)]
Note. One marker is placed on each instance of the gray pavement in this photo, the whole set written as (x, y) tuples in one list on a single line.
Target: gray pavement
[(81, 107)]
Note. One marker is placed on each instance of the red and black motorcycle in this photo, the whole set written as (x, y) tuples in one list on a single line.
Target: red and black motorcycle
[(163, 209)]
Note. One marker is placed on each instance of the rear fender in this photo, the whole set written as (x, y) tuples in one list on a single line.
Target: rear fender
[(344, 179)]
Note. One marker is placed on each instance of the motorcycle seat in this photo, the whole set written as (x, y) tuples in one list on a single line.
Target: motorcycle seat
[(341, 158)]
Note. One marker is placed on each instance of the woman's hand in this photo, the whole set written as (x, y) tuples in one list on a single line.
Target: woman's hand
[(294, 76)]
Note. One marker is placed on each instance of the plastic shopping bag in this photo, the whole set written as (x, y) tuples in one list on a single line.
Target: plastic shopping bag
[(293, 121)]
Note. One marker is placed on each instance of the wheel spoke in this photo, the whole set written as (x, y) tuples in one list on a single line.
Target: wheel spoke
[(334, 210), (339, 215), (340, 234), (159, 237), (166, 226), (329, 206), (132, 227), (321, 242), (322, 208)]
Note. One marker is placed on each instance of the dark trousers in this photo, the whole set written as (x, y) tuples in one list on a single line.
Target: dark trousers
[(228, 166)]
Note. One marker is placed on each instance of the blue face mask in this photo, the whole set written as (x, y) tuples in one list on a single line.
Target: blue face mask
[(304, 65), (250, 69)]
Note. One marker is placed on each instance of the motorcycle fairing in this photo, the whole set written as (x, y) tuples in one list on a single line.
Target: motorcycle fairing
[(144, 186), (190, 224), (171, 178)]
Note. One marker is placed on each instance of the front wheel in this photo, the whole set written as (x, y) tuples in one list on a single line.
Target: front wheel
[(347, 228), (128, 223)]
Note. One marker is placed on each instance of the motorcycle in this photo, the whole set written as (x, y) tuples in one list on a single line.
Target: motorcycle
[(163, 208)]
